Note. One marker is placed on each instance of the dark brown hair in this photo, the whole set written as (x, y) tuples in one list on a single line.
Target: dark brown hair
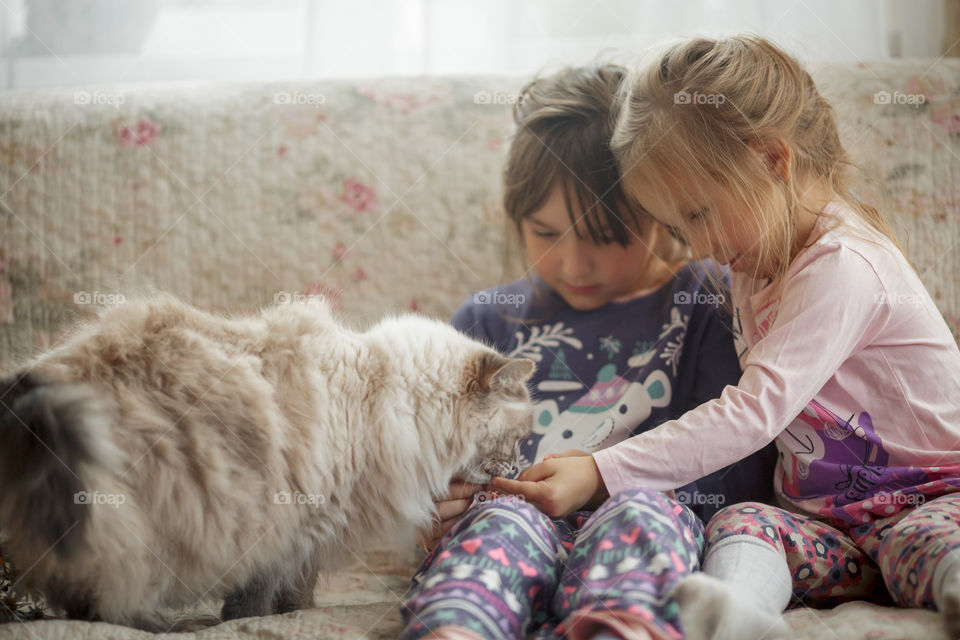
[(564, 125)]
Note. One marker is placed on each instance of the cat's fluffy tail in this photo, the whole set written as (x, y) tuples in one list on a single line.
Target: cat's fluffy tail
[(47, 437)]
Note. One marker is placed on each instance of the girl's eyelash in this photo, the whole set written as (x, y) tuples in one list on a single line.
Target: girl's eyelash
[(696, 215), (676, 235)]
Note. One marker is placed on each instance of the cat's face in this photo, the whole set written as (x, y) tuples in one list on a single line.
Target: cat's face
[(498, 416)]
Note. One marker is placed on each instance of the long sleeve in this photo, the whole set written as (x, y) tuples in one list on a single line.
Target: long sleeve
[(716, 366), (828, 310)]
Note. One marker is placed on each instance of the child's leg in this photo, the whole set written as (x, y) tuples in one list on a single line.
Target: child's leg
[(757, 554), (919, 556), (623, 565), (492, 575)]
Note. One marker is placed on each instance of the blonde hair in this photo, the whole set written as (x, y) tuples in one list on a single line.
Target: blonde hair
[(692, 116), (564, 125)]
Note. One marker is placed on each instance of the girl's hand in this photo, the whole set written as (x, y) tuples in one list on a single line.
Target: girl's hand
[(559, 485), (450, 509)]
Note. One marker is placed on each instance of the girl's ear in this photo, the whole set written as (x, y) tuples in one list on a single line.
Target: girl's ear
[(774, 155)]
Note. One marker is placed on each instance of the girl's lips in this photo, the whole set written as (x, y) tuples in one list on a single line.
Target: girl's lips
[(734, 262), (583, 291)]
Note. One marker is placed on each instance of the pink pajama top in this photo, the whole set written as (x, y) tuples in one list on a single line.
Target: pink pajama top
[(848, 365)]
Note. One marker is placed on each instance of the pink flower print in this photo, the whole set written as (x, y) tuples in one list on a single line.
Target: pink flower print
[(282, 150), (358, 196), (140, 134), (414, 305), (340, 252), (947, 116), (494, 144), (360, 274)]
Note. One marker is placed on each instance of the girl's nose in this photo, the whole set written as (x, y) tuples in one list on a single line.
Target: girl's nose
[(577, 260)]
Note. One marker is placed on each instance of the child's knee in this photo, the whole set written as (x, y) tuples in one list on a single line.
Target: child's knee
[(745, 518)]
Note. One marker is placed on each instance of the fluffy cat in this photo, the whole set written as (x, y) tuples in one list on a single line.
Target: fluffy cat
[(163, 454)]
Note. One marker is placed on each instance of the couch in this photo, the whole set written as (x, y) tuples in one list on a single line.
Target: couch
[(382, 195)]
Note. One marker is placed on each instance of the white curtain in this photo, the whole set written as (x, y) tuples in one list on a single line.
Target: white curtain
[(73, 42)]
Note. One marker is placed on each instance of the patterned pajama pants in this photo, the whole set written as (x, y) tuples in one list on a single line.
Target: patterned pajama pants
[(894, 558), (506, 569)]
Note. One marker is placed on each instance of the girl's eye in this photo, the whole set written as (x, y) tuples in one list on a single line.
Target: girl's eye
[(545, 234), (698, 215), (676, 235)]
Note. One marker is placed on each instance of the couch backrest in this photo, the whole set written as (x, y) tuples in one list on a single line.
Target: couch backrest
[(381, 195)]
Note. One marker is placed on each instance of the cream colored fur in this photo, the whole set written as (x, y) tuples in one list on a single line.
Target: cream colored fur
[(269, 446)]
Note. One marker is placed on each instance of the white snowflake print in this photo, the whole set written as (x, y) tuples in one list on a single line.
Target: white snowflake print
[(677, 321), (611, 345), (672, 351), (549, 336)]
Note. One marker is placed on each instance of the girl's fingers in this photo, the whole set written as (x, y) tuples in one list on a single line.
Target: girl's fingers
[(460, 489), (453, 508), (569, 453), (537, 472), (529, 490)]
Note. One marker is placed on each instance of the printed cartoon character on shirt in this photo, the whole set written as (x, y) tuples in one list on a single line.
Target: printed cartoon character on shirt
[(606, 414), (841, 464)]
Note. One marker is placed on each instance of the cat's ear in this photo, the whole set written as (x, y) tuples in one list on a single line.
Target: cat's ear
[(507, 373)]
